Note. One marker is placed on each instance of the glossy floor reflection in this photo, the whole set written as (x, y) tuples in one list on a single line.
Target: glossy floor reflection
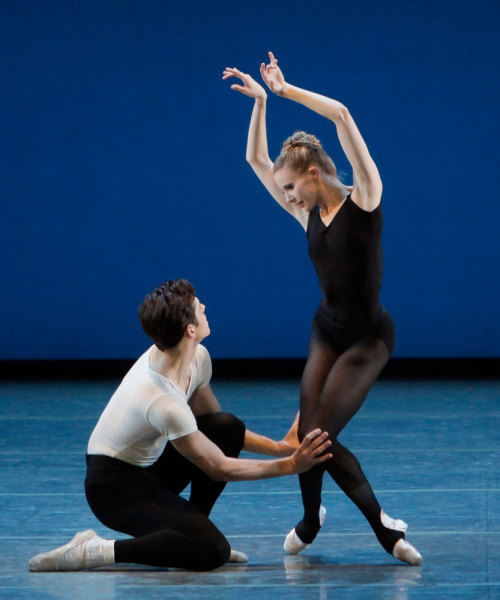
[(430, 450)]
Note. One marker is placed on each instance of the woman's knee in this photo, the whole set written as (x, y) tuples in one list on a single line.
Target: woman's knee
[(302, 431), (304, 428)]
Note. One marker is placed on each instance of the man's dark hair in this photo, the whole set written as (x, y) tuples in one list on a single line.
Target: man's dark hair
[(167, 311)]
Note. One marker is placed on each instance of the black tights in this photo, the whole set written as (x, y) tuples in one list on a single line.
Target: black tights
[(168, 530), (334, 386)]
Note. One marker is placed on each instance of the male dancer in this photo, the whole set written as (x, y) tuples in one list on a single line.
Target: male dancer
[(162, 429)]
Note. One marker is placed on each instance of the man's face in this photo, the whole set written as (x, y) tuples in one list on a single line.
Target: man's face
[(203, 328)]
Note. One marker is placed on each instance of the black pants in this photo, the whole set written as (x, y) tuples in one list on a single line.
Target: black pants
[(167, 530)]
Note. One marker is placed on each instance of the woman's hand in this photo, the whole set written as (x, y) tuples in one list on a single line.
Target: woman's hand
[(250, 87), (311, 451), (272, 75)]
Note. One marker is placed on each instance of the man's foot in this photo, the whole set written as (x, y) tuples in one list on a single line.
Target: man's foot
[(51, 561), (407, 553), (237, 557), (293, 544)]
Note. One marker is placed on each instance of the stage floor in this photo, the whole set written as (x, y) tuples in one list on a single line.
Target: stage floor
[(430, 449)]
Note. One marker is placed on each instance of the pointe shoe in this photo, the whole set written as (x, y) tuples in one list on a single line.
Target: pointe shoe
[(51, 561), (396, 524), (237, 557), (407, 553), (293, 544)]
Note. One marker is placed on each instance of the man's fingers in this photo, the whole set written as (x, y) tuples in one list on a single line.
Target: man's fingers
[(312, 434), (316, 437), (322, 447), (323, 458), (320, 441), (317, 442)]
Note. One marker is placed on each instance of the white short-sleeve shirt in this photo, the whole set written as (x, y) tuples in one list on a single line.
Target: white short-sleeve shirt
[(146, 411)]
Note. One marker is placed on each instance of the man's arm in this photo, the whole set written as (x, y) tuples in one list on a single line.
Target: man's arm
[(203, 401), (260, 444), (208, 457)]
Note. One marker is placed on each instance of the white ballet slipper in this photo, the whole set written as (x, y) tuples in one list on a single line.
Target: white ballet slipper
[(293, 544), (406, 552), (390, 523), (237, 557), (50, 561)]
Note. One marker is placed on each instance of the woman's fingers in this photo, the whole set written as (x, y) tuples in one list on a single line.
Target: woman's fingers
[(272, 58), (239, 88), (233, 72), (249, 86)]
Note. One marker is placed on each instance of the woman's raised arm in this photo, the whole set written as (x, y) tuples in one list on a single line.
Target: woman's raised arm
[(367, 189), (257, 154)]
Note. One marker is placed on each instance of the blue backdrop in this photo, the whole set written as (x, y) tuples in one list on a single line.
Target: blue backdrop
[(122, 154)]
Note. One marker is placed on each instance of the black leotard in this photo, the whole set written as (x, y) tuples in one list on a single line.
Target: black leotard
[(347, 256)]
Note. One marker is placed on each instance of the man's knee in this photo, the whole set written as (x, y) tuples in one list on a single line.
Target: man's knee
[(212, 554), (224, 429), (220, 422)]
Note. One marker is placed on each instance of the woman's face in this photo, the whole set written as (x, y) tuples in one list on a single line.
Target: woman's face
[(300, 189)]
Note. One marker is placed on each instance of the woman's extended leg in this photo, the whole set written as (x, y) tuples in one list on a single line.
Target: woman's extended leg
[(343, 394), (321, 358)]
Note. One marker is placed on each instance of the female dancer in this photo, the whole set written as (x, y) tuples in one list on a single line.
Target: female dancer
[(352, 334)]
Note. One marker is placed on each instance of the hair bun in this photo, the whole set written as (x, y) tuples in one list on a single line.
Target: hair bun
[(300, 151), (301, 138)]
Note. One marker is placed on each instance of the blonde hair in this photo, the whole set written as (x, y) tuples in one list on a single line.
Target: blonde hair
[(300, 151)]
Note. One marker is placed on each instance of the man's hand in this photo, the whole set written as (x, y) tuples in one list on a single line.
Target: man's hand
[(312, 451)]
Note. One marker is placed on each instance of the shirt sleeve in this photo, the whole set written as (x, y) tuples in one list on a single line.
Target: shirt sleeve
[(170, 419)]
